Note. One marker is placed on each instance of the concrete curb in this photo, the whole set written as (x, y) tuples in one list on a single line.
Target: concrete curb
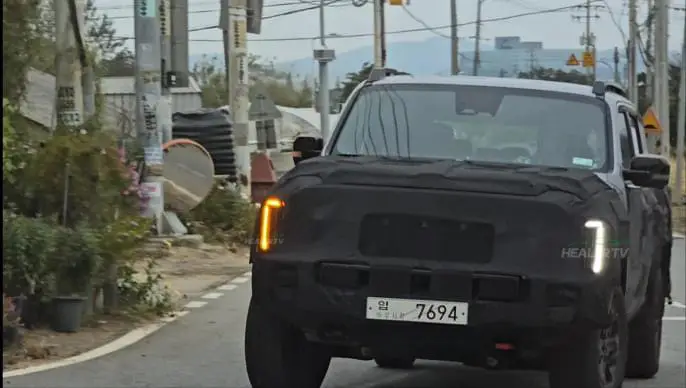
[(127, 339)]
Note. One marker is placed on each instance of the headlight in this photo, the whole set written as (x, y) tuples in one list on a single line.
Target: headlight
[(599, 258), (269, 212)]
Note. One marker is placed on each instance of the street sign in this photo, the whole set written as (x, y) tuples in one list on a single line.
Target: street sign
[(263, 108), (651, 123), (572, 61), (588, 59)]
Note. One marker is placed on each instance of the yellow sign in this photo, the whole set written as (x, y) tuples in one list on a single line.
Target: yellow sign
[(651, 123), (396, 2), (572, 61), (589, 59)]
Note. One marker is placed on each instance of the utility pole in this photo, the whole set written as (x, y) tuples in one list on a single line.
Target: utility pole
[(179, 41), (588, 32), (662, 72), (650, 66), (633, 36), (237, 53), (681, 128), (477, 43), (615, 59), (88, 74), (148, 92), (454, 40), (323, 55), (588, 39), (378, 34), (68, 69), (168, 75)]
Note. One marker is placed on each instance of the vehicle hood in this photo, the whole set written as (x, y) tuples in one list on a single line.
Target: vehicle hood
[(450, 175)]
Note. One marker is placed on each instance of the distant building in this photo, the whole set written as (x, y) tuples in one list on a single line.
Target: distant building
[(120, 101), (507, 42)]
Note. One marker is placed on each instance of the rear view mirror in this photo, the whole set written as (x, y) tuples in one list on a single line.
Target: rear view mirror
[(648, 171), (306, 147)]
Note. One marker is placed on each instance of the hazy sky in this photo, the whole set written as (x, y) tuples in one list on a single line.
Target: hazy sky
[(556, 30)]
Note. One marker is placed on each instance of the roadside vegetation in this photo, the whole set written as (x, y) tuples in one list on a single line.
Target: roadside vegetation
[(75, 248)]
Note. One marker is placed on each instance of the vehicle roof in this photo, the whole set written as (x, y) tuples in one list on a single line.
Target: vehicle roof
[(518, 83)]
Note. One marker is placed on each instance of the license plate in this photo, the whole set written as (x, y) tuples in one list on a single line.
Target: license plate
[(415, 310)]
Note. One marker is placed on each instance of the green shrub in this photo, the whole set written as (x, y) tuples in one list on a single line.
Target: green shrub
[(223, 216), (29, 247), (77, 260), (120, 240), (146, 293), (89, 166)]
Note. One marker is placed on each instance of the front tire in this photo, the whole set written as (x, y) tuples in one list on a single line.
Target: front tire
[(278, 355), (395, 362), (645, 333), (598, 358)]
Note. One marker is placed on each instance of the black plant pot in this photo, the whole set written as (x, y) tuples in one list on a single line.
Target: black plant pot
[(67, 313)]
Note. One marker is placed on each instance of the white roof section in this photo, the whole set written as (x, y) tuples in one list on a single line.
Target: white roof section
[(298, 121), (39, 102), (308, 117)]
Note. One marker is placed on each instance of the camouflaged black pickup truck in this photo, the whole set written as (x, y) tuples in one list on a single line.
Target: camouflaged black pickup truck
[(501, 223)]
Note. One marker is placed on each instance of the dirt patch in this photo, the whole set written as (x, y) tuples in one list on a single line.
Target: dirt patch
[(679, 219), (190, 271), (43, 345)]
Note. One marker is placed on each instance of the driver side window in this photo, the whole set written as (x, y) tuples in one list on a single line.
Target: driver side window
[(625, 140)]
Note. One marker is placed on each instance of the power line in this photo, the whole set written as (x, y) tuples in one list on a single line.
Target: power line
[(402, 31), (213, 2), (432, 29), (284, 13)]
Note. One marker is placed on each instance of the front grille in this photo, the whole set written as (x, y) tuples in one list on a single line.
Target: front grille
[(415, 237)]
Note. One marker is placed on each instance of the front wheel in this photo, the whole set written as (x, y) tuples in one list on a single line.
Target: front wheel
[(598, 358), (645, 333), (278, 355)]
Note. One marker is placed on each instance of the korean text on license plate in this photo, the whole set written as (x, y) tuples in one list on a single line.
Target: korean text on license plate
[(415, 310)]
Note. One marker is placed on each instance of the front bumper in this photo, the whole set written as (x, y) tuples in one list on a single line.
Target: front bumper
[(328, 299)]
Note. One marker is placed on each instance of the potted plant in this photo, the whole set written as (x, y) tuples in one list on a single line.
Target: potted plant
[(76, 263)]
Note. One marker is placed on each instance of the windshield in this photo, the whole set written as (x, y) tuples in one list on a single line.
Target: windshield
[(489, 124)]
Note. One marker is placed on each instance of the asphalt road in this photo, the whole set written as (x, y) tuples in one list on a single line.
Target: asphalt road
[(205, 349)]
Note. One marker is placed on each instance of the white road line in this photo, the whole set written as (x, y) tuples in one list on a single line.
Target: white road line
[(127, 339), (678, 305), (248, 274), (212, 295), (227, 287), (194, 304), (240, 280), (677, 235), (674, 318)]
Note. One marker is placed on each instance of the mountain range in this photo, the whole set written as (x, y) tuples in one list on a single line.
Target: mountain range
[(431, 57)]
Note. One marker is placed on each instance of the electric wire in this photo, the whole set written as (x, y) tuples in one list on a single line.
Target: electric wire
[(401, 31)]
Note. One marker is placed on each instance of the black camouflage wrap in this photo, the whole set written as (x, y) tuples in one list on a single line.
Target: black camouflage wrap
[(536, 212)]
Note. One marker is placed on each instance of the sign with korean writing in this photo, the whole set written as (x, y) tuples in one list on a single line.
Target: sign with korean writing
[(147, 8), (589, 59), (154, 156)]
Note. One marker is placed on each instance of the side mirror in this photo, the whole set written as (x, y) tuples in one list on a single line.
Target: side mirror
[(648, 171), (306, 147)]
